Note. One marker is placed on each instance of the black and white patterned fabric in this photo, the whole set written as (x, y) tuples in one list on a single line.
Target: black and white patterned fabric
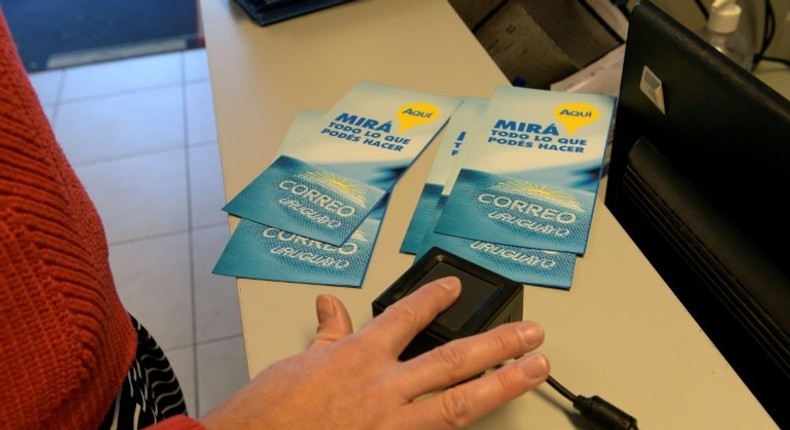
[(150, 393)]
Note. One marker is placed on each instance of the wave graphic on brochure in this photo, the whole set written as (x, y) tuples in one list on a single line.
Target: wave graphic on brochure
[(540, 192), (348, 189)]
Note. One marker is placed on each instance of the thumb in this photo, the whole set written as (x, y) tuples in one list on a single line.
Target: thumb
[(333, 320)]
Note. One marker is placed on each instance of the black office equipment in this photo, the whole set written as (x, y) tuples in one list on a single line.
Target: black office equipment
[(487, 300), (701, 189), (267, 12)]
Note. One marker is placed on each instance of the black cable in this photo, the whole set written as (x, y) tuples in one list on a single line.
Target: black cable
[(595, 411), (562, 390), (784, 61), (702, 8), (769, 28)]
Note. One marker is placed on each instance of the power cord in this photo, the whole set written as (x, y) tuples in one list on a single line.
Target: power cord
[(769, 27), (702, 8), (595, 411)]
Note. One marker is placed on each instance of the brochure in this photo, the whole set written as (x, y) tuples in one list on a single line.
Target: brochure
[(523, 265), (259, 251), (531, 171), (456, 131), (325, 184)]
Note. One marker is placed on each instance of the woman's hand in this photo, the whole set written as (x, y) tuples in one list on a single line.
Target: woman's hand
[(348, 380)]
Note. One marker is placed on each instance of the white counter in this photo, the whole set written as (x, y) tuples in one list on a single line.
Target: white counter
[(619, 332)]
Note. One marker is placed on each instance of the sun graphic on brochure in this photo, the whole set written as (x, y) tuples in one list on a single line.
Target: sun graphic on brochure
[(542, 192), (343, 186), (359, 235)]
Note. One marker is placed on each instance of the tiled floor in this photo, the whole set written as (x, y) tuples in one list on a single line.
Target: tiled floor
[(140, 134)]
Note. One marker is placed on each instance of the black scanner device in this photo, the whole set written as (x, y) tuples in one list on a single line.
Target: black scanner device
[(487, 299)]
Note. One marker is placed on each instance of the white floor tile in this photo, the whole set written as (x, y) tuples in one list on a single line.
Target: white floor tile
[(182, 360), (201, 125), (206, 186), (140, 196), (47, 84), (153, 281), (121, 125), (49, 111), (195, 65), (217, 313), (222, 370), (119, 76)]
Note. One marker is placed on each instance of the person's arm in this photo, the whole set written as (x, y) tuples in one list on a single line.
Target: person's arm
[(349, 380), (180, 422)]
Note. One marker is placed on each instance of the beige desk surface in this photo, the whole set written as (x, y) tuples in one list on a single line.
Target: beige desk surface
[(618, 333)]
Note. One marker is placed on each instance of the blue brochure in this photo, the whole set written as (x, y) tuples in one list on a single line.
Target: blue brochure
[(325, 184), (259, 251), (523, 265), (449, 148), (530, 172), (316, 202)]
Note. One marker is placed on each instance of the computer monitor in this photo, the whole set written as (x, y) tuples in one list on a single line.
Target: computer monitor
[(699, 171)]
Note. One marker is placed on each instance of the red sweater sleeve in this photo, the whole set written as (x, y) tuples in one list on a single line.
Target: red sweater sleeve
[(66, 341)]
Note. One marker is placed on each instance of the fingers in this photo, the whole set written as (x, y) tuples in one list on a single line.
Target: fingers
[(401, 321), (463, 404), (459, 360), (397, 325), (333, 320)]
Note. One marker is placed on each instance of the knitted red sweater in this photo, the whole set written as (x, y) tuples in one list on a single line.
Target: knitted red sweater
[(66, 341)]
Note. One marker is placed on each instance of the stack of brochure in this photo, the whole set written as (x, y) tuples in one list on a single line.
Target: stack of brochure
[(314, 214), (512, 187), (514, 182)]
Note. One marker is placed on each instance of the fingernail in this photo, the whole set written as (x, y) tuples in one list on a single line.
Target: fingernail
[(450, 283), (531, 333), (535, 366), (324, 307)]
